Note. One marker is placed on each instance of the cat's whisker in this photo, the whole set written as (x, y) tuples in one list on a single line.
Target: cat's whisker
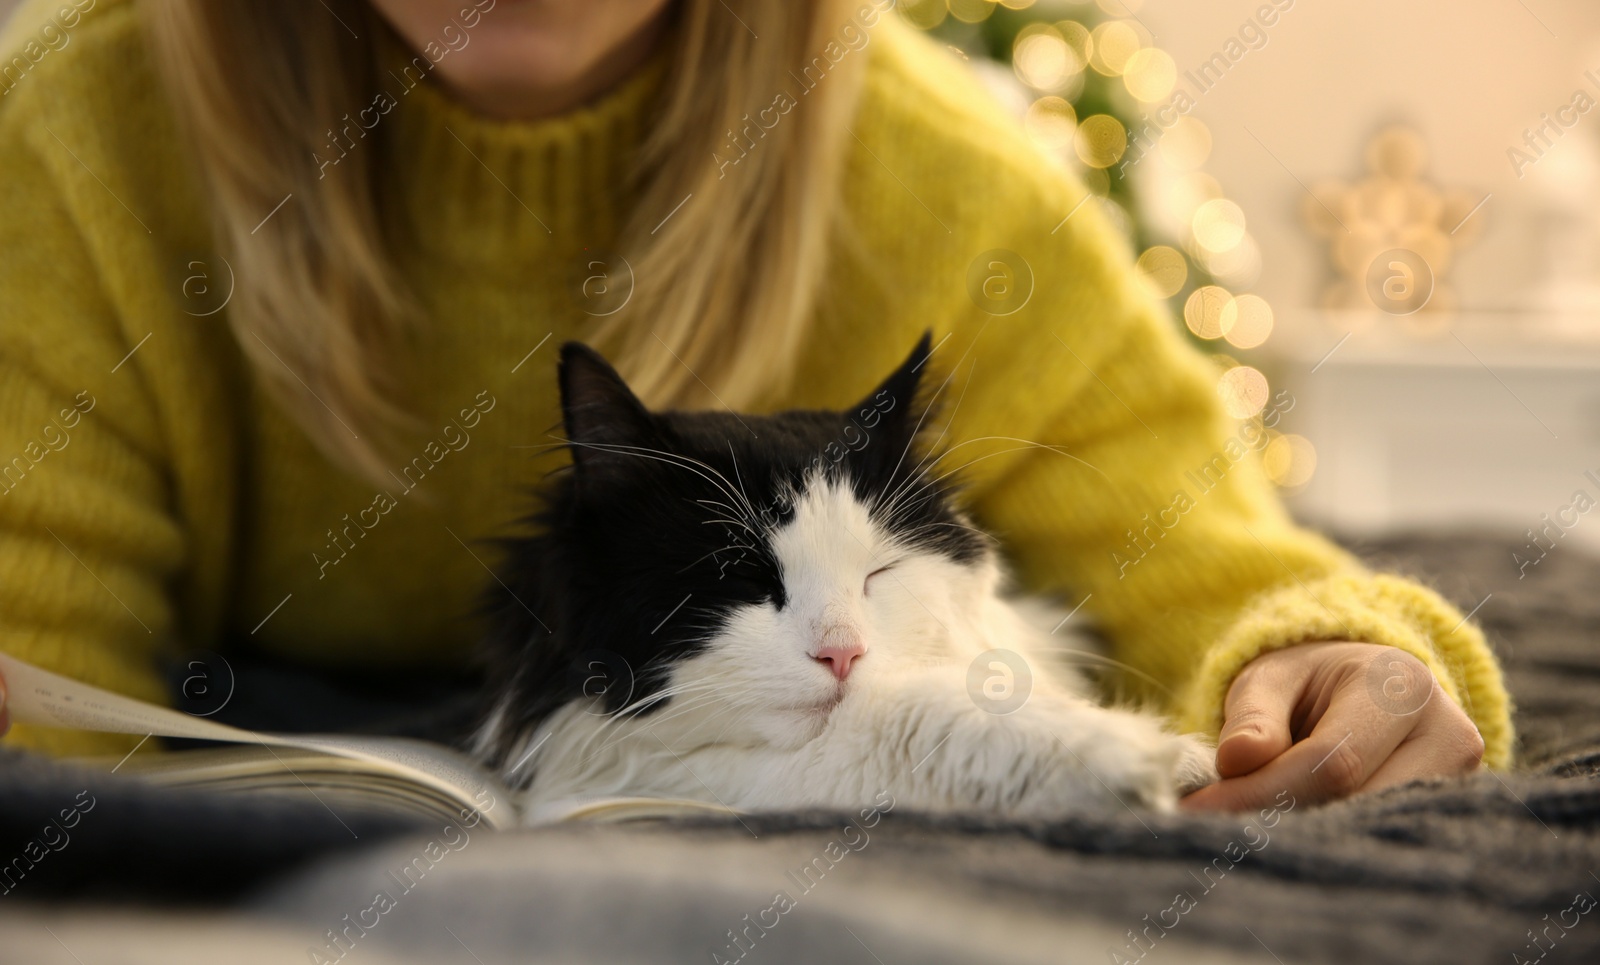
[(665, 693), (635, 710), (724, 710), (925, 483), (719, 504), (933, 400), (725, 521), (1002, 452), (616, 720), (712, 555), (1105, 661), (1026, 444), (748, 505), (620, 718), (710, 474), (730, 717), (928, 486), (729, 521), (957, 524), (933, 451)]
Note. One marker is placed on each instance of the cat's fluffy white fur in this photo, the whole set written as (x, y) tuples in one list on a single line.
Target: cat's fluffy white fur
[(756, 722)]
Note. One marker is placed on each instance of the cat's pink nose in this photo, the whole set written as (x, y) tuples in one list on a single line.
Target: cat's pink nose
[(839, 653)]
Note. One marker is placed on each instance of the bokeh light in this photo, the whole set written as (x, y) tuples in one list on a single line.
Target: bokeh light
[(1114, 42), (1100, 141), (1051, 122), (924, 14), (1252, 322), (1218, 225), (1163, 271), (1078, 40), (1210, 311), (1238, 267), (1042, 59), (1290, 460), (971, 11), (1243, 390), (1150, 74), (1088, 91)]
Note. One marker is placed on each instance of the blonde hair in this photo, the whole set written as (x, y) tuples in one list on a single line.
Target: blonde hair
[(727, 284)]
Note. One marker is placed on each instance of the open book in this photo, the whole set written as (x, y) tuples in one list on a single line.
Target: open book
[(403, 776)]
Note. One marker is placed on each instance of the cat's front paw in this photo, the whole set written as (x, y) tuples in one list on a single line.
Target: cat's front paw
[(1196, 764), (1154, 769)]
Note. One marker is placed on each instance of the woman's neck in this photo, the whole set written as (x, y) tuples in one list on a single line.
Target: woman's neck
[(532, 99)]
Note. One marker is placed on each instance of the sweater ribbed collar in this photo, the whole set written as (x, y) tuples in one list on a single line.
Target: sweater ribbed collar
[(499, 193)]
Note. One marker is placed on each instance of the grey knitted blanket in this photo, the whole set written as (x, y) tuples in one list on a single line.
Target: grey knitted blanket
[(1489, 869)]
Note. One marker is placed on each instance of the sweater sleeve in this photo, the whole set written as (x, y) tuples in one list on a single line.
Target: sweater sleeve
[(88, 545), (1150, 506)]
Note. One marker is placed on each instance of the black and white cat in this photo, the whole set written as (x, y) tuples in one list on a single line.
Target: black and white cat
[(787, 611)]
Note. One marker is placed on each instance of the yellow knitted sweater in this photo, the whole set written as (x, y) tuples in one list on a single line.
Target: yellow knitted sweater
[(152, 501)]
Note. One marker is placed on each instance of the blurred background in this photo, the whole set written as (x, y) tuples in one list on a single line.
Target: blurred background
[(1384, 219)]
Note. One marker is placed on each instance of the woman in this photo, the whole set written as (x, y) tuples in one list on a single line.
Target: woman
[(283, 283)]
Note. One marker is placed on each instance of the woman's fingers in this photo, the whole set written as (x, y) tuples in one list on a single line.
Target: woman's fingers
[(1445, 742), (1256, 716), (1346, 748), (5, 718)]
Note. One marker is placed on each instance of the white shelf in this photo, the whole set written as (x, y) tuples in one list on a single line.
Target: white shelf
[(1492, 420)]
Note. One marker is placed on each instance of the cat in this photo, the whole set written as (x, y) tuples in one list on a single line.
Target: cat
[(789, 611)]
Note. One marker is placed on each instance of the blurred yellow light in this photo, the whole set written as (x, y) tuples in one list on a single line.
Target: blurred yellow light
[(1100, 141), (1051, 122), (1042, 60), (1210, 311), (924, 14), (1252, 324), (1114, 42), (1218, 225), (1163, 271), (1243, 390), (1078, 40), (1016, 4), (1238, 267), (971, 11), (1186, 145), (1290, 460), (1149, 74), (1120, 8)]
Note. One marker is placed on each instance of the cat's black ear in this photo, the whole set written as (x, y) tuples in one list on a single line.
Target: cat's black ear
[(897, 396), (606, 423), (893, 413)]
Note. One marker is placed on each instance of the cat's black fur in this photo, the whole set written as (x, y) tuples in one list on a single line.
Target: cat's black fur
[(627, 570)]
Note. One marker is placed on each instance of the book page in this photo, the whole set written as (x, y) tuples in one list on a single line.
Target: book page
[(614, 809), (37, 696)]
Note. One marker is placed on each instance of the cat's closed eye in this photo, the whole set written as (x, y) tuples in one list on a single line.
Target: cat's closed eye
[(866, 584)]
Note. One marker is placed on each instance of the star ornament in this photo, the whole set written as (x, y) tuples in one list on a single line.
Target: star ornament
[(1393, 234)]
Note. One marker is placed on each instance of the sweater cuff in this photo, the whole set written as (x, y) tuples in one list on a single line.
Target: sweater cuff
[(1364, 608)]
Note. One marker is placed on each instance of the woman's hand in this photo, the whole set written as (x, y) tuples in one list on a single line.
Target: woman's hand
[(5, 718), (1326, 720)]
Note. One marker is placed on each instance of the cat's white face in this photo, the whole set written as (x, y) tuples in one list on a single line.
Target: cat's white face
[(733, 579), (862, 604)]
